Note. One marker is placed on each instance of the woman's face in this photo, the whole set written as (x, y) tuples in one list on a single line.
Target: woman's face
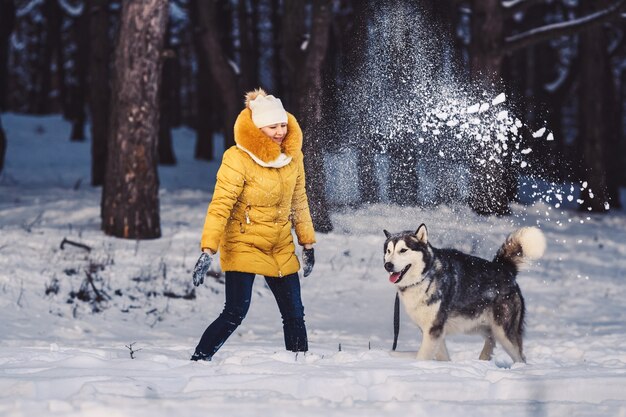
[(275, 132)]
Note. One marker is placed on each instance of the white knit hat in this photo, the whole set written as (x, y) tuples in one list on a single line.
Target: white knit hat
[(267, 110)]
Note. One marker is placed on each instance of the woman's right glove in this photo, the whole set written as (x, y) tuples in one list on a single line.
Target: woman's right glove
[(201, 268), (308, 258)]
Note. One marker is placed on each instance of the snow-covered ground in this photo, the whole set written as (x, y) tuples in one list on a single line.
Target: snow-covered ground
[(60, 358)]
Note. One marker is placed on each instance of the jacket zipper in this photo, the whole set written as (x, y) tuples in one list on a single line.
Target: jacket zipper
[(282, 194)]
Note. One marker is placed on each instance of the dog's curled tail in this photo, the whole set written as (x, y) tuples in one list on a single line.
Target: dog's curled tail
[(525, 244)]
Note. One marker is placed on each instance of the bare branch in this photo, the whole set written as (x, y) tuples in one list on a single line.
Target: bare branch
[(547, 32), (19, 298), (71, 242), (29, 226), (132, 351)]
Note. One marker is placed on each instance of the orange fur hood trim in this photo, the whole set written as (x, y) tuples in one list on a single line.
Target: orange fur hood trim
[(250, 137)]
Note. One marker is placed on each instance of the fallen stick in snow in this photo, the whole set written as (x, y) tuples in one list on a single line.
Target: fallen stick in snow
[(78, 245)]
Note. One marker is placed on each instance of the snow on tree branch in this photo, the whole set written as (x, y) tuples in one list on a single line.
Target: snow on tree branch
[(23, 11), (543, 33), (73, 10)]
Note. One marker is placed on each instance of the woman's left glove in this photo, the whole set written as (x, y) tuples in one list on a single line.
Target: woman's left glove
[(201, 268), (308, 258)]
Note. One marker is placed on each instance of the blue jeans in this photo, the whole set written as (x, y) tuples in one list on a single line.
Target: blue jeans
[(286, 290)]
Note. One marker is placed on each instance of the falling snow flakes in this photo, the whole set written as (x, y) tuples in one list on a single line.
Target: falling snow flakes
[(526, 151), (478, 108), (503, 115), (550, 137), (501, 98), (523, 164), (539, 133), (473, 109)]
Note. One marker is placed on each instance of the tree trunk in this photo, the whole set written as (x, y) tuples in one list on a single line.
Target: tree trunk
[(293, 32), (99, 87), (165, 148), (621, 154), (487, 28), (130, 198), (3, 146), (311, 98), (403, 178), (217, 63), (349, 35), (369, 183), (277, 57), (598, 132), (59, 85), (249, 50), (489, 185), (205, 113), (51, 52), (304, 69), (45, 57), (188, 92), (7, 23), (78, 91)]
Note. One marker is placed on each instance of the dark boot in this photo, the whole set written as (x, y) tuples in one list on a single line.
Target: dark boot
[(199, 356)]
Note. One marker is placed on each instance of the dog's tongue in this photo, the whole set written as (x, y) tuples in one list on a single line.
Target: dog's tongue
[(393, 278)]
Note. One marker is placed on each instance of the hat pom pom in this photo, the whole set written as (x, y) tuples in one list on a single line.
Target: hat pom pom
[(251, 95)]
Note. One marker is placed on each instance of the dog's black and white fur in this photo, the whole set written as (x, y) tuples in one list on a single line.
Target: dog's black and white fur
[(445, 291)]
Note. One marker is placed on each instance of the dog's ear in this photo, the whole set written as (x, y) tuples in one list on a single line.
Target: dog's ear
[(387, 234), (422, 234)]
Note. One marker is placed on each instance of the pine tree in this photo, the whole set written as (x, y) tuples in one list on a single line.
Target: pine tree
[(130, 199)]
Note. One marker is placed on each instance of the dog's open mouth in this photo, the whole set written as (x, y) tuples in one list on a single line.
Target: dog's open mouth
[(396, 277)]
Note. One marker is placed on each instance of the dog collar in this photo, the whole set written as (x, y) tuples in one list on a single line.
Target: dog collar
[(426, 277)]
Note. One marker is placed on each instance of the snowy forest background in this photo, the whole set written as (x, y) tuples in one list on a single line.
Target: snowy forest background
[(559, 63), (472, 116)]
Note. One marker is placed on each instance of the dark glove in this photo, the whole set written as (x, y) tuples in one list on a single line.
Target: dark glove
[(308, 258), (201, 268)]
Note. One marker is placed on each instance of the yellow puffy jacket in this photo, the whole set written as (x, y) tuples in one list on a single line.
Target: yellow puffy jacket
[(258, 195)]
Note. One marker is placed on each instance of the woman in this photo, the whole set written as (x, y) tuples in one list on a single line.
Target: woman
[(259, 195)]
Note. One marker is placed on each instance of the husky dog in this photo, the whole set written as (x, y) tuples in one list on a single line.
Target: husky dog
[(445, 291)]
